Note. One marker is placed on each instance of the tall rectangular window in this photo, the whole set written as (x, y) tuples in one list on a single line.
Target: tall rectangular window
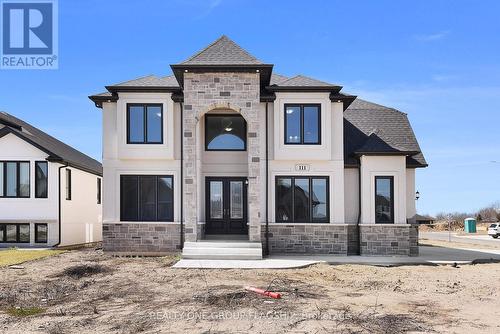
[(144, 123), (384, 199), (302, 199), (146, 198), (15, 179), (99, 191), (302, 124), (41, 179), (41, 232), (68, 184)]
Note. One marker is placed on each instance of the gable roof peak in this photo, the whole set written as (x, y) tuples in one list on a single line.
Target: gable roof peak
[(222, 51)]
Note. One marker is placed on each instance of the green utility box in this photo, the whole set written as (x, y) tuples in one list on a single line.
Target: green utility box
[(470, 225)]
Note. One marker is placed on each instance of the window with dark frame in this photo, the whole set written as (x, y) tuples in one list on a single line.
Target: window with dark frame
[(41, 233), (384, 199), (302, 124), (15, 233), (302, 199), (15, 179), (99, 190), (147, 198), (144, 124), (41, 179), (225, 132), (68, 184)]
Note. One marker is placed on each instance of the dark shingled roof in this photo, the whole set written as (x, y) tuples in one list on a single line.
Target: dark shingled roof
[(303, 81), (370, 128), (149, 81), (222, 52), (277, 78), (56, 149)]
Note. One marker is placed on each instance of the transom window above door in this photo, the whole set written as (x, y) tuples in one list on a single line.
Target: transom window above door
[(225, 133), (302, 124), (144, 124)]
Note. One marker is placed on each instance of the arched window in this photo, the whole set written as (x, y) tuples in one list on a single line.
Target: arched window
[(225, 133)]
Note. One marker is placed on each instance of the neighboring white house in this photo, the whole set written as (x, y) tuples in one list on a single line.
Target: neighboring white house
[(226, 149), (50, 193)]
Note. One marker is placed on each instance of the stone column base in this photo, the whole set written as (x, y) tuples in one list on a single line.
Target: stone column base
[(141, 238), (389, 239), (338, 239)]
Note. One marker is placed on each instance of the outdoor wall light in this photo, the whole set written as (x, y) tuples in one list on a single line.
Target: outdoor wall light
[(417, 195)]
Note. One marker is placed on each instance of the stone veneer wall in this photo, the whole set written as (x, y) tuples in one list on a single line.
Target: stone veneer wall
[(204, 92), (338, 239), (141, 238), (389, 239)]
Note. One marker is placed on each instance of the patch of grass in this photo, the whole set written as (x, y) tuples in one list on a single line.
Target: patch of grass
[(84, 270), (24, 311), (13, 256)]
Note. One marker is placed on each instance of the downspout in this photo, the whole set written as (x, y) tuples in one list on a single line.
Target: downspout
[(267, 181), (182, 176), (359, 210), (59, 204)]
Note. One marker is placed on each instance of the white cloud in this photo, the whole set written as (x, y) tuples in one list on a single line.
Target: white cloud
[(432, 37)]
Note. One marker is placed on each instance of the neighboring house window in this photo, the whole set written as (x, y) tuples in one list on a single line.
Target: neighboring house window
[(41, 179), (98, 191), (384, 199), (144, 124), (225, 133), (303, 124), (68, 184), (15, 179), (147, 198), (302, 199), (16, 233), (41, 232)]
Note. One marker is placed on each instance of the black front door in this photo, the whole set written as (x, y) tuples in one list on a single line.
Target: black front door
[(226, 205)]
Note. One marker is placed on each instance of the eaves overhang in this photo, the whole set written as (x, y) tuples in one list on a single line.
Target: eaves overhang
[(265, 70), (331, 89), (100, 99), (344, 98), (382, 153)]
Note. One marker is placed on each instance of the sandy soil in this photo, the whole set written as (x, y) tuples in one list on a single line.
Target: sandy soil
[(90, 292)]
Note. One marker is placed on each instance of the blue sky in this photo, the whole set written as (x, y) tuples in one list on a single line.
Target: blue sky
[(438, 61)]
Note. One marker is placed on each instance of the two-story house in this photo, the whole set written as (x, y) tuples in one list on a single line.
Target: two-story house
[(225, 159), (50, 193)]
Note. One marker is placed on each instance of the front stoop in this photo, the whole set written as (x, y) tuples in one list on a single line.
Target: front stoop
[(222, 250)]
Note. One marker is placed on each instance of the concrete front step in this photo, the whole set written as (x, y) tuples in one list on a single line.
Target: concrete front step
[(222, 250)]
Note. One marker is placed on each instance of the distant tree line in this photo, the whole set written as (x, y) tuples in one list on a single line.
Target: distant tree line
[(490, 213)]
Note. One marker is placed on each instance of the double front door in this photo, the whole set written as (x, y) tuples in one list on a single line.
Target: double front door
[(226, 205)]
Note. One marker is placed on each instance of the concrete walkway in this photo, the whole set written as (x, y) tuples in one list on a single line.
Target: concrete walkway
[(428, 256)]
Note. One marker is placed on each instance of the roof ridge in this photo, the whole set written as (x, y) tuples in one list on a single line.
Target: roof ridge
[(224, 41), (139, 78), (203, 49), (381, 106), (307, 78)]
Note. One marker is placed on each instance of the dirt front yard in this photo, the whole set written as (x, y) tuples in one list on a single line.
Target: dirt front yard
[(91, 292)]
